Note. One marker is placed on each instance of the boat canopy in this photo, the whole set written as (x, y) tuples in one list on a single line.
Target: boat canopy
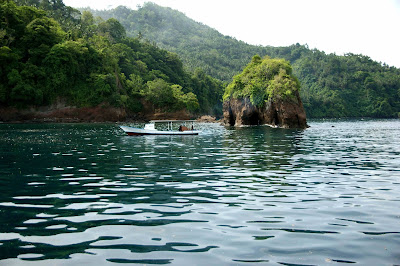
[(150, 126), (170, 121)]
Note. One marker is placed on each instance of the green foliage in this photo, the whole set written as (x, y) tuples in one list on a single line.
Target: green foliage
[(169, 97), (209, 92), (112, 29), (159, 92), (50, 51), (197, 45), (263, 80), (332, 86), (191, 102), (346, 86), (134, 105), (135, 84), (67, 17), (74, 73), (43, 31)]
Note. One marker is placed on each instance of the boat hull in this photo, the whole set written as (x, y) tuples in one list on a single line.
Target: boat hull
[(132, 131)]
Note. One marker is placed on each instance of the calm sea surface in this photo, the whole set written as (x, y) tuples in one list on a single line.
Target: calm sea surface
[(86, 194)]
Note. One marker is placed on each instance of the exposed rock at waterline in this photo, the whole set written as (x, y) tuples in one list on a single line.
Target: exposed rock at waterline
[(287, 113), (266, 92)]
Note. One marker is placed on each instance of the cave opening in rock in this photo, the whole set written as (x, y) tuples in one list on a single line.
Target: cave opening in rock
[(231, 118), (253, 119), (276, 118)]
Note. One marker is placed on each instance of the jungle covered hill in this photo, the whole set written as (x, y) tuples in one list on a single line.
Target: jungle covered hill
[(331, 85), (53, 55)]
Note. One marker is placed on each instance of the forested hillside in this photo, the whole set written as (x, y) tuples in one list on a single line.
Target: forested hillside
[(198, 45), (331, 86), (51, 52)]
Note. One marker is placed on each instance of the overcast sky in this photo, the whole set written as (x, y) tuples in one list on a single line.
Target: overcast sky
[(369, 27)]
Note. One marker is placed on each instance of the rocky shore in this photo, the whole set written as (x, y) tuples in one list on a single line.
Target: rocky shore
[(287, 113), (101, 113), (62, 115)]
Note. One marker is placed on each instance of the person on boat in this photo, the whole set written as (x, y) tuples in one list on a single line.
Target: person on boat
[(183, 128)]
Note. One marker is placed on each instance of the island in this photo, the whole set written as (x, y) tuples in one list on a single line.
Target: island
[(266, 92)]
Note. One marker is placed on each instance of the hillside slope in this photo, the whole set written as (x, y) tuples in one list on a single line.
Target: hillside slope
[(50, 53), (331, 85), (198, 45)]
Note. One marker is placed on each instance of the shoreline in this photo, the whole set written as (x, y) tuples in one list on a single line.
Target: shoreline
[(99, 114)]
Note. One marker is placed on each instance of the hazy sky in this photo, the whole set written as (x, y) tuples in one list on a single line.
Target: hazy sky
[(369, 27)]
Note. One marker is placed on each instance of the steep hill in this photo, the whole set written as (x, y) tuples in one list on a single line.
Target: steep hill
[(51, 53), (331, 85), (198, 45)]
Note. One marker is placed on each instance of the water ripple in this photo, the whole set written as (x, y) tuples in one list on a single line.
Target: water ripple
[(73, 194)]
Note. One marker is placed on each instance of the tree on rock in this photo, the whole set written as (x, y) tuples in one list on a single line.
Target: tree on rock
[(266, 92)]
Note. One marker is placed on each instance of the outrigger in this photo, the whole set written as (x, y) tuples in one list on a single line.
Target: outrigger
[(150, 128)]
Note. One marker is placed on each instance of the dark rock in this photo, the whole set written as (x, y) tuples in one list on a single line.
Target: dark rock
[(63, 114), (285, 113)]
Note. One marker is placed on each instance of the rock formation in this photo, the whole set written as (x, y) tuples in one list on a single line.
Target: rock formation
[(287, 113), (266, 92)]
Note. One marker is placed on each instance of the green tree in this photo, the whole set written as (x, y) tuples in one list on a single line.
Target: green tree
[(160, 93), (263, 80), (191, 102), (112, 29)]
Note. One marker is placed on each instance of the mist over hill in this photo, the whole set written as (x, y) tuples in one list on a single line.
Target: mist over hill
[(331, 86)]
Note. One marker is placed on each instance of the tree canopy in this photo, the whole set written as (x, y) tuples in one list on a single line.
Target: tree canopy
[(332, 86), (263, 80), (49, 51)]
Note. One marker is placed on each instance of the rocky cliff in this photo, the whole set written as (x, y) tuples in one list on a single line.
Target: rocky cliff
[(285, 113), (266, 92), (61, 112)]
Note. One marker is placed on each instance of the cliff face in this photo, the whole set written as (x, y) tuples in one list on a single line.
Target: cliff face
[(287, 113), (61, 112)]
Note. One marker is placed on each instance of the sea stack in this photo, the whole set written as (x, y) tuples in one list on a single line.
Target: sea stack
[(266, 92)]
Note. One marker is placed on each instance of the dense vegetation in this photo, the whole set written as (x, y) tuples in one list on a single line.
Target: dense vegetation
[(263, 80), (198, 45), (331, 86), (51, 52), (344, 86)]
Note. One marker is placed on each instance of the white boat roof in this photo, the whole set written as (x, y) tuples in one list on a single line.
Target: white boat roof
[(161, 121)]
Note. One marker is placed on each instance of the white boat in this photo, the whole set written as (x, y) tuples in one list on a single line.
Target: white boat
[(150, 129)]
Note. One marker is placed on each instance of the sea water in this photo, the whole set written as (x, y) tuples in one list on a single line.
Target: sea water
[(87, 194)]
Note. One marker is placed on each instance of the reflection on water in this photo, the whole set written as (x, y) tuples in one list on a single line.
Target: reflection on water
[(87, 194)]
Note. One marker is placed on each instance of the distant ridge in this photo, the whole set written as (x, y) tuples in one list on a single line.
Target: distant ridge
[(331, 86), (198, 45)]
